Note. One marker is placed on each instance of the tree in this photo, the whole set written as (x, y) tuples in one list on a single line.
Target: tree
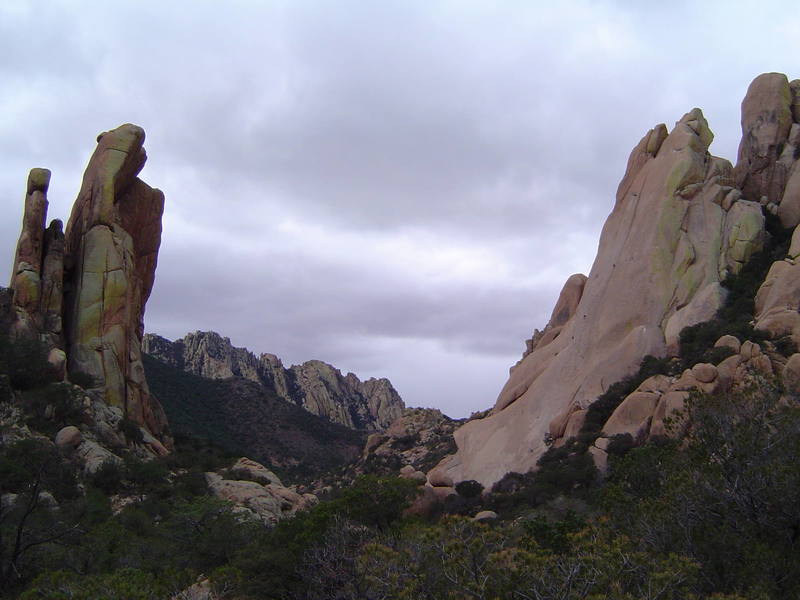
[(34, 479)]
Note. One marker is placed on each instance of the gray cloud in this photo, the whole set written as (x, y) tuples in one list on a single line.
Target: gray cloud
[(399, 188)]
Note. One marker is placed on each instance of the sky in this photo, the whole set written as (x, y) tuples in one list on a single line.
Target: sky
[(398, 188)]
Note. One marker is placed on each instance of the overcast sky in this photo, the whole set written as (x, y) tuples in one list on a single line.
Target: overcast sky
[(397, 188)]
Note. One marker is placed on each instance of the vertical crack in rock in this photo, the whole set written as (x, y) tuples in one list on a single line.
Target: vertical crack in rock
[(84, 291)]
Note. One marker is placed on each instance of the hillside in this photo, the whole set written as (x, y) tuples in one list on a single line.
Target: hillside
[(244, 417), (316, 386)]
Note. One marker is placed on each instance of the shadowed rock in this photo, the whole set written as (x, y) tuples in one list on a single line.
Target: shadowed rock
[(314, 385)]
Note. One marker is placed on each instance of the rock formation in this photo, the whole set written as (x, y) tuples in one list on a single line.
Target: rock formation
[(683, 220), (314, 385), (83, 292), (256, 492), (654, 408)]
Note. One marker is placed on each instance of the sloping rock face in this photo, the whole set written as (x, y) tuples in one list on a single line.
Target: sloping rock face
[(314, 385), (682, 221), (84, 291)]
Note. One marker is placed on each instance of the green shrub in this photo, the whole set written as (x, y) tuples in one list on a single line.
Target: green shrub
[(469, 488), (49, 408), (25, 362), (785, 345), (131, 430), (108, 477), (620, 444), (146, 475), (82, 379), (554, 535), (190, 484)]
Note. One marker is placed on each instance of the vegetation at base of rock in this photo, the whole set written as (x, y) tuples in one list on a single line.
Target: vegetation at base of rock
[(24, 362), (730, 501), (736, 314), (245, 418)]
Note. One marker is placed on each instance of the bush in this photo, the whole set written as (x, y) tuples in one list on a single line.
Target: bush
[(82, 379), (146, 475), (108, 477), (25, 362), (131, 430), (51, 407), (469, 488), (620, 444)]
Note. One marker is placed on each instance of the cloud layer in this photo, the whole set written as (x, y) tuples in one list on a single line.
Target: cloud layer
[(398, 188)]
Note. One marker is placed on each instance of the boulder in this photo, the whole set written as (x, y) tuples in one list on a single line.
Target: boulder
[(632, 415), (727, 369), (791, 374), (778, 299), (267, 503), (704, 372), (253, 471), (407, 471), (729, 341), (485, 515), (442, 492), (749, 350), (575, 424), (425, 504), (68, 437), (655, 383), (419, 477), (439, 478), (766, 122), (668, 408), (93, 455)]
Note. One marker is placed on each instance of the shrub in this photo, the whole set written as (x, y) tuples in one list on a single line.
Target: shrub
[(620, 444), (25, 362), (82, 379), (108, 477), (146, 475), (51, 407), (131, 430), (469, 488)]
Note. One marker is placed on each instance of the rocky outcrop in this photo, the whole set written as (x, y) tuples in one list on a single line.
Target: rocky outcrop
[(777, 302), (418, 439), (765, 160), (314, 385), (83, 292), (656, 407), (683, 220), (256, 493)]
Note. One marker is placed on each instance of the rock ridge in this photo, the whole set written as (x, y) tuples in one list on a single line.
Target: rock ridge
[(313, 385)]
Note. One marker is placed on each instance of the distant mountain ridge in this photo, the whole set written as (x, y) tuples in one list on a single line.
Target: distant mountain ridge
[(314, 385)]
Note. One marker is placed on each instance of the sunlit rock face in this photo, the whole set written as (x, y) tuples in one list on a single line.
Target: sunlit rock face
[(683, 219), (84, 291)]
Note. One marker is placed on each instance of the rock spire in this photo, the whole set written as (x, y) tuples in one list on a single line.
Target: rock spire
[(83, 291)]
